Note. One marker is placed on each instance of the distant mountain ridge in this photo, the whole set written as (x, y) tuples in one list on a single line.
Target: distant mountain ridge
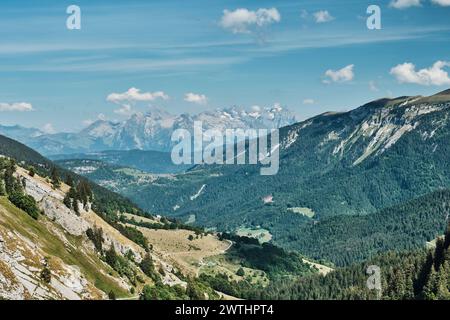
[(148, 161), (150, 131), (360, 162)]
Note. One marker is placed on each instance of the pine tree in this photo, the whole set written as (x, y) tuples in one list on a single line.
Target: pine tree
[(76, 208), (67, 201), (442, 282), (55, 178), (69, 181), (147, 266), (447, 237), (10, 181), (429, 291), (84, 192), (31, 171), (439, 254), (111, 256)]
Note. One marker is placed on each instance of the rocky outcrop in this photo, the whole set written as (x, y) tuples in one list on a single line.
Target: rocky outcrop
[(21, 264)]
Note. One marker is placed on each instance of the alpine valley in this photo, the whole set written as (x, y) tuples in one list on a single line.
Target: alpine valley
[(341, 177), (370, 186)]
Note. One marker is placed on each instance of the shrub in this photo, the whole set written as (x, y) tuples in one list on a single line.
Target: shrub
[(25, 202)]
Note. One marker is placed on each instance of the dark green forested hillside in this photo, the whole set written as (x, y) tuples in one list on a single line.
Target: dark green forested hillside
[(412, 275), (417, 274), (347, 239)]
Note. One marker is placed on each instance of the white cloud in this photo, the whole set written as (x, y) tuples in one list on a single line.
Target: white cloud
[(343, 75), (443, 3), (323, 16), (124, 110), (373, 86), (242, 20), (308, 101), (403, 4), (434, 75), (195, 98), (17, 106), (48, 128), (134, 94)]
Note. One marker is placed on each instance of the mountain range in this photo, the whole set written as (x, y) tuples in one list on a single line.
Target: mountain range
[(356, 189), (337, 170), (149, 131)]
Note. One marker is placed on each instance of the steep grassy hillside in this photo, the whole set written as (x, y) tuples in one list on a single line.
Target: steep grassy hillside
[(28, 247)]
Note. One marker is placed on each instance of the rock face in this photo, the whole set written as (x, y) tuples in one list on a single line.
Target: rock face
[(25, 250), (21, 263), (50, 202), (63, 216)]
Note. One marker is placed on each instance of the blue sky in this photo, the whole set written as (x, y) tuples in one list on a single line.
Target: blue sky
[(311, 56)]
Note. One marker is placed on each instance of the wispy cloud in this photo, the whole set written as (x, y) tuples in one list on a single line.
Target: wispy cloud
[(245, 21), (33, 48), (443, 3), (127, 65), (17, 106), (323, 16), (134, 94), (131, 97), (342, 75), (196, 98), (403, 4)]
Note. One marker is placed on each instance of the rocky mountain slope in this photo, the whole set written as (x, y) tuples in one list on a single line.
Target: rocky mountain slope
[(55, 242), (67, 242), (58, 242)]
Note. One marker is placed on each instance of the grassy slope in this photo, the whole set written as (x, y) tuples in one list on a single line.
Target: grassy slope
[(38, 231)]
